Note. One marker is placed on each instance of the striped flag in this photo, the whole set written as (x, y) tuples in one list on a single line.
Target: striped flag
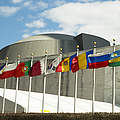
[(83, 60), (80, 61), (8, 71), (115, 59), (98, 61), (65, 64)]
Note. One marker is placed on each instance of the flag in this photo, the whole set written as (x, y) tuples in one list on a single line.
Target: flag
[(87, 54), (2, 67), (80, 61), (73, 62), (8, 71), (115, 54), (52, 66), (22, 69), (75, 65), (83, 59), (115, 59), (98, 61), (65, 64), (114, 62), (37, 68)]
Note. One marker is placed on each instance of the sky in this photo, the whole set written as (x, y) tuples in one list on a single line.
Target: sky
[(23, 18)]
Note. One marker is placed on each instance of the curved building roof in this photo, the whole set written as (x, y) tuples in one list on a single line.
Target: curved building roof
[(38, 44), (52, 36), (52, 43)]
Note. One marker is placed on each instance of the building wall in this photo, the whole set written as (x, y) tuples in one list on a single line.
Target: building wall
[(10, 106), (86, 41), (85, 79)]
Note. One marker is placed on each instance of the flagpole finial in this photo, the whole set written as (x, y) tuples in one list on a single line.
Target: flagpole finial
[(94, 43), (32, 54), (6, 58), (46, 51), (61, 50), (113, 41), (78, 46)]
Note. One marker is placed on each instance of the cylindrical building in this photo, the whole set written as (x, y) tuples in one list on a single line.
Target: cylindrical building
[(52, 42)]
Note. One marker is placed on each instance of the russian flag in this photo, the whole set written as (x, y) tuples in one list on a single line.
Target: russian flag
[(98, 61)]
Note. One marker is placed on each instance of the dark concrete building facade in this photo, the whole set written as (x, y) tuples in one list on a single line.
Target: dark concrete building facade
[(85, 41)]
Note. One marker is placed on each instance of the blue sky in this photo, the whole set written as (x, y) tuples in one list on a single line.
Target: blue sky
[(22, 18)]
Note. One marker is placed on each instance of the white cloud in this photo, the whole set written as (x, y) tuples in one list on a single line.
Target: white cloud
[(8, 11), (36, 32), (28, 3), (36, 24), (85, 0), (59, 2), (38, 5), (17, 1), (47, 31), (42, 4), (97, 18), (26, 35)]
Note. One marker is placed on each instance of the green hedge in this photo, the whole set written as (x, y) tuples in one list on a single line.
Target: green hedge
[(60, 116)]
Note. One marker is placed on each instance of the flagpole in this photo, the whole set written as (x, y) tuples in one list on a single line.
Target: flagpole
[(44, 86), (59, 86), (3, 106), (18, 61), (113, 82), (76, 79), (30, 83), (94, 78)]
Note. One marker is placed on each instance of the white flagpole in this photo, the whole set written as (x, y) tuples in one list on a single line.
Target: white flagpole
[(113, 82), (44, 86), (76, 79), (3, 106), (30, 83), (59, 86), (17, 81), (94, 79)]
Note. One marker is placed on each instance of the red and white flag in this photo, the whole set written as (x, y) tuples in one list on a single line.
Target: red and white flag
[(8, 71)]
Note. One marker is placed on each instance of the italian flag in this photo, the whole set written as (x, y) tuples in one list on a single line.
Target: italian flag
[(22, 69)]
